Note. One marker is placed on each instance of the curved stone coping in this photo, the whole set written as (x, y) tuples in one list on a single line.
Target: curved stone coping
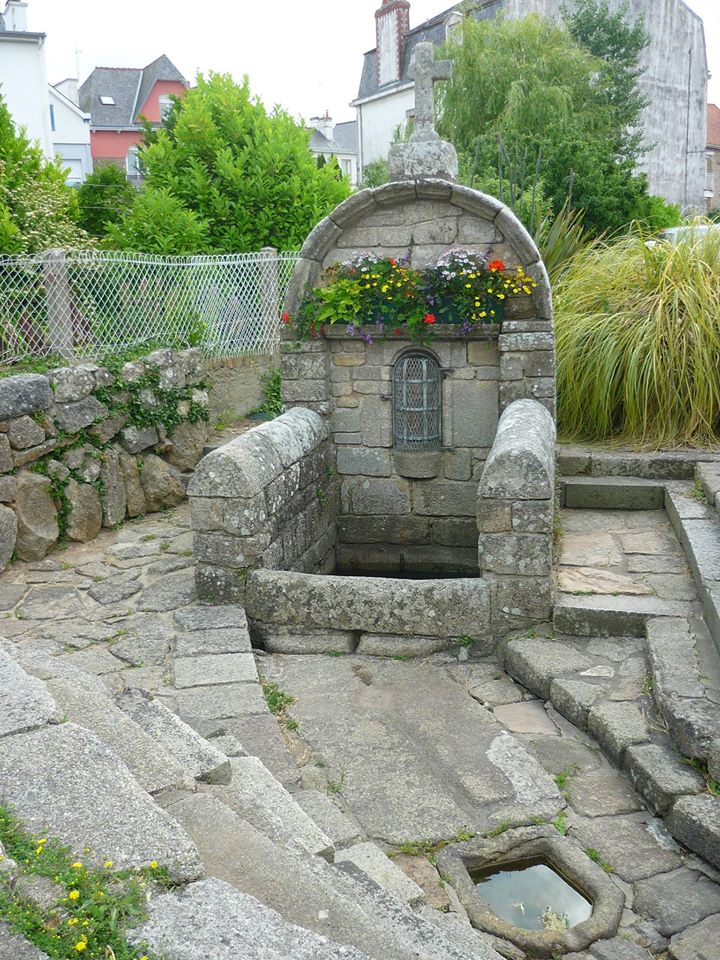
[(562, 853), (351, 212), (447, 609), (246, 465), (521, 465)]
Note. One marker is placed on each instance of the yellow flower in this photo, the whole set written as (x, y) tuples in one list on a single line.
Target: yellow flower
[(42, 840), (38, 851), (73, 921), (77, 866), (108, 864), (153, 864), (85, 923), (81, 945), (74, 895)]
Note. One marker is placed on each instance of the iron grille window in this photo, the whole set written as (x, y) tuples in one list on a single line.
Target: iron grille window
[(417, 402)]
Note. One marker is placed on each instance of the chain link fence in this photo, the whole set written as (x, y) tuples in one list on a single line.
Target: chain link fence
[(94, 303)]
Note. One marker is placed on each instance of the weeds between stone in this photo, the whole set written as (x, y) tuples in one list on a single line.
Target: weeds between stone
[(92, 909)]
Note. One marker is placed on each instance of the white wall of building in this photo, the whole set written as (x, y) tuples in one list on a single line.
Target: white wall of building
[(378, 120), (71, 136), (24, 86)]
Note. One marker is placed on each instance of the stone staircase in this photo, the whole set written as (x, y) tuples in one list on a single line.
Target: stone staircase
[(640, 673), (261, 872)]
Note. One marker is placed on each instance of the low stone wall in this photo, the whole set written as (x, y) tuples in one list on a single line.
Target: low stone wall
[(515, 514), (87, 446), (266, 499), (300, 613)]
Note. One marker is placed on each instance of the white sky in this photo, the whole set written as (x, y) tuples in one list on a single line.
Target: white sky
[(303, 54)]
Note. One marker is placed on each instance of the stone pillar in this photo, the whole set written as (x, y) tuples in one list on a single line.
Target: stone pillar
[(515, 512), (59, 303)]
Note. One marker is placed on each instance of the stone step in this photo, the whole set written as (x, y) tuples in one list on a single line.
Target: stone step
[(254, 794), (153, 767), (13, 946), (576, 460), (333, 902), (695, 821), (611, 493), (369, 858), (199, 758), (708, 475), (343, 831), (211, 919), (25, 703), (611, 616), (697, 526), (63, 781)]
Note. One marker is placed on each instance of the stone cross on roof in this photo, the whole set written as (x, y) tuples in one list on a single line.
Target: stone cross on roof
[(425, 71), (425, 155)]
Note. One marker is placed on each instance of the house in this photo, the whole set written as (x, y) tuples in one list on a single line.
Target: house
[(117, 98), (23, 75), (674, 84), (50, 114), (70, 129), (337, 140), (712, 191)]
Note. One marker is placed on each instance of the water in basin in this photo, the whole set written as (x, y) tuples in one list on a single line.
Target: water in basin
[(532, 895)]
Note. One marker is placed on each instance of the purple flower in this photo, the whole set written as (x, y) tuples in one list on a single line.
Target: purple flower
[(351, 329)]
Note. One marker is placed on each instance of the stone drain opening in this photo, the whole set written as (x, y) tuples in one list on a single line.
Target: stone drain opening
[(532, 895)]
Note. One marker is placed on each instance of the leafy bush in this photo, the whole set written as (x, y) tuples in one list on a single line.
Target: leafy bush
[(246, 176), (638, 340), (159, 223), (103, 198)]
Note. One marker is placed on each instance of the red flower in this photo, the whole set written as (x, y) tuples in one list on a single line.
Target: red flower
[(392, 262), (397, 331), (429, 318), (285, 317), (496, 265)]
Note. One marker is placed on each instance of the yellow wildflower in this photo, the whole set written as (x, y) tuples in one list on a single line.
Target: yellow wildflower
[(72, 922), (74, 895), (42, 840), (77, 866), (108, 864), (38, 851), (81, 945), (153, 864)]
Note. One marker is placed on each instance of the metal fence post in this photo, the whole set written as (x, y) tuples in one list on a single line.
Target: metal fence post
[(58, 298), (269, 287)]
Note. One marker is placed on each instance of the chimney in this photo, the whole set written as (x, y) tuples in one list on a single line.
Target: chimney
[(16, 16), (324, 125), (392, 23)]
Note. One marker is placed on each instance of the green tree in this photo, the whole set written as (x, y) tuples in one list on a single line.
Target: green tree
[(103, 198), (529, 87), (37, 208), (159, 223), (246, 174)]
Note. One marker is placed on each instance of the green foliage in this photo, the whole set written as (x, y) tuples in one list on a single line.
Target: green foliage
[(37, 208), (560, 823), (559, 239), (377, 293), (554, 106), (278, 702), (638, 340), (271, 383), (103, 198), (375, 174), (655, 214), (246, 175), (596, 858), (96, 906), (159, 222)]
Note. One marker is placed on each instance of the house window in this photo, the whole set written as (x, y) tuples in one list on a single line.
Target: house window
[(107, 101), (52, 118), (346, 167), (134, 171), (417, 401), (165, 106)]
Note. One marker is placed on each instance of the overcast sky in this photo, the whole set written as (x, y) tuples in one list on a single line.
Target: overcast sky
[(303, 54)]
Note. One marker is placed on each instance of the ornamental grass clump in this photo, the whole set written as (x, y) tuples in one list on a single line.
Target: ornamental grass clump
[(373, 295), (638, 342)]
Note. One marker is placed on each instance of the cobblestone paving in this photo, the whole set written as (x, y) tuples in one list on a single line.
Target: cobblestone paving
[(123, 608)]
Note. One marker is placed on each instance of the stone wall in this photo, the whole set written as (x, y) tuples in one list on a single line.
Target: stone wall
[(515, 518), (417, 510), (266, 499), (87, 446)]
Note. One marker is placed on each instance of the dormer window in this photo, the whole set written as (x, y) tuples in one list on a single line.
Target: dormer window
[(107, 101)]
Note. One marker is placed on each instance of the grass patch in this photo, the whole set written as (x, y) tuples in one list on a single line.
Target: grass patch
[(711, 785), (562, 779), (95, 906), (560, 823), (278, 702), (596, 858), (638, 337), (428, 848)]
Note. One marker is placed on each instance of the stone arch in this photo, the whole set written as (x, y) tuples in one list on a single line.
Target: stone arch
[(422, 219)]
